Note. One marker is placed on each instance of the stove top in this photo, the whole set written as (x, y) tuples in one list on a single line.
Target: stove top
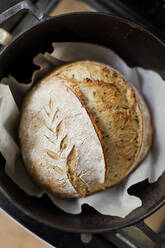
[(149, 14)]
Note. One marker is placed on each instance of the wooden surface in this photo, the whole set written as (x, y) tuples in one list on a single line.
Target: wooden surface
[(13, 235), (67, 6)]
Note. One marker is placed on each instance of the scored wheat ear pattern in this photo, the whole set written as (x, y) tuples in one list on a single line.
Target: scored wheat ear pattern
[(72, 158), (57, 131), (51, 114)]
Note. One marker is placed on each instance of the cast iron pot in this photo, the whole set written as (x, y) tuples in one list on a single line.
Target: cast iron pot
[(138, 48)]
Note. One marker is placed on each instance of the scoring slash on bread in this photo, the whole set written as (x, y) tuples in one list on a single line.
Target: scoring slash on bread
[(83, 128)]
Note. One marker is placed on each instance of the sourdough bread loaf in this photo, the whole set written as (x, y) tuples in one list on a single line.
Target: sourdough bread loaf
[(83, 128)]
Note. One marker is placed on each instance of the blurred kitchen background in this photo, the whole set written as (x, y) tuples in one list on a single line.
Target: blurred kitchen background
[(150, 14)]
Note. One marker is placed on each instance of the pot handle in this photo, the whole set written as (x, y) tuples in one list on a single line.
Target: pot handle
[(23, 6), (158, 238), (138, 236)]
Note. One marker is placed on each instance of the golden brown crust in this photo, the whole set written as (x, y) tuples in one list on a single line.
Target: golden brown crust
[(122, 147)]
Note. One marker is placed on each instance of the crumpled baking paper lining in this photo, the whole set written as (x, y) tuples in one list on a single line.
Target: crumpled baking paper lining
[(114, 201)]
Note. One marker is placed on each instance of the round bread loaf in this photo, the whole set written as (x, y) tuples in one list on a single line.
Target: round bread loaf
[(83, 128)]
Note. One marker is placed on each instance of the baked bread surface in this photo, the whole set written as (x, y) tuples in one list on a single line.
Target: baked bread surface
[(120, 113), (83, 128), (60, 147)]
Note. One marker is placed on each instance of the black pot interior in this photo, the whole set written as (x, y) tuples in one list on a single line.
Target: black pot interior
[(137, 48)]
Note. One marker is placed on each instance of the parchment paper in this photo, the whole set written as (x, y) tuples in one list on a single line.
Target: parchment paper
[(113, 201)]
